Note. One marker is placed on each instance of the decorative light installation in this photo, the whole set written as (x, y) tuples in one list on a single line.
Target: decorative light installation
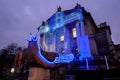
[(64, 58), (61, 59)]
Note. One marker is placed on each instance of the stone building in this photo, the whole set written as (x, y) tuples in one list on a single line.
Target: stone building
[(74, 31), (70, 31)]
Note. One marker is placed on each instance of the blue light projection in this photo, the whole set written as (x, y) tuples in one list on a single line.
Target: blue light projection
[(64, 58), (67, 58), (59, 19), (84, 48), (32, 37)]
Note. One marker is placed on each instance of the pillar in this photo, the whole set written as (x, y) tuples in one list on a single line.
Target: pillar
[(66, 40), (78, 36), (82, 41), (54, 45), (82, 28)]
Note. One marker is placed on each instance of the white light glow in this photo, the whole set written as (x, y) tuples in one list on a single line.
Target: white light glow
[(12, 70)]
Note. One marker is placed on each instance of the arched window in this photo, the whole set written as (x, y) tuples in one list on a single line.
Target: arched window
[(74, 33)]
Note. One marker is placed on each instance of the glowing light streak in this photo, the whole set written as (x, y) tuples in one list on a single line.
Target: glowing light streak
[(87, 66), (62, 58), (106, 62)]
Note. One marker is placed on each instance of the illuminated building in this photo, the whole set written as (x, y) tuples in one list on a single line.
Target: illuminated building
[(71, 32), (64, 33), (74, 31)]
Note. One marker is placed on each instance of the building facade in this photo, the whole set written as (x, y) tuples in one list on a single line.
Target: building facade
[(74, 31), (65, 32)]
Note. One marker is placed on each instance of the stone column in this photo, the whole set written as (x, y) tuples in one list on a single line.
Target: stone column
[(44, 45), (82, 41), (54, 43), (78, 31), (82, 28), (51, 42), (66, 40)]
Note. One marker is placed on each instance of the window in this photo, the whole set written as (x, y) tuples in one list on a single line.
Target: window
[(62, 38), (63, 51), (76, 49), (74, 33)]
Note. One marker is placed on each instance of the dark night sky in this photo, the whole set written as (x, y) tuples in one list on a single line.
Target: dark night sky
[(20, 17)]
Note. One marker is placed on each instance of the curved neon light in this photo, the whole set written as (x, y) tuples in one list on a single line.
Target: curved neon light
[(63, 58)]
